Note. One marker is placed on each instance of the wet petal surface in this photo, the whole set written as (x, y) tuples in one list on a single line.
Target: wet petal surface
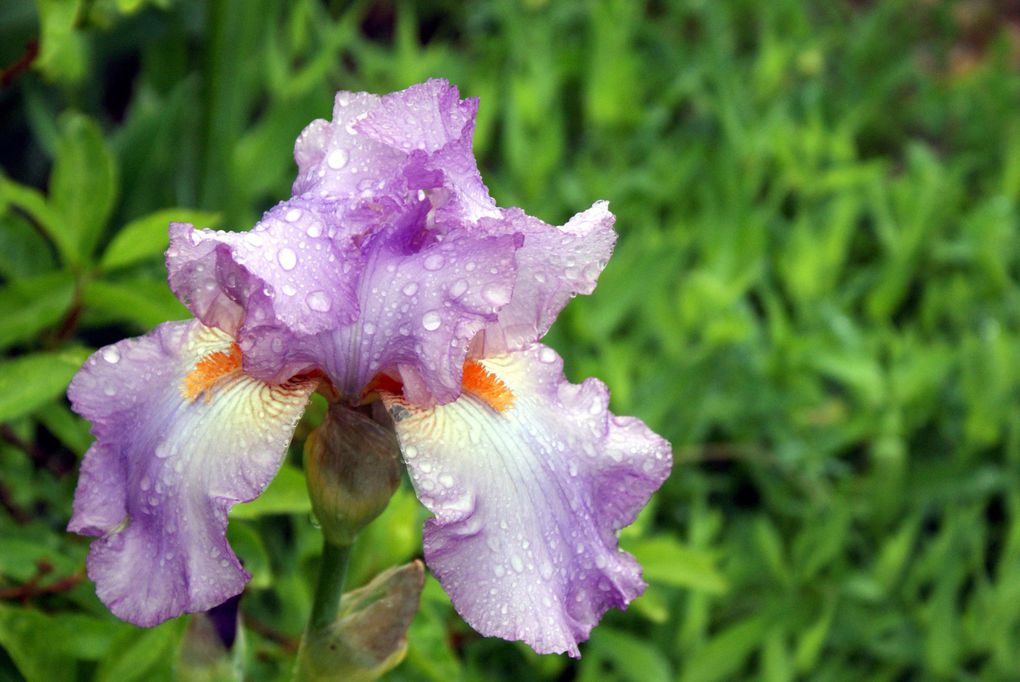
[(420, 311), (528, 495), (182, 435), (415, 139), (554, 265), (289, 270)]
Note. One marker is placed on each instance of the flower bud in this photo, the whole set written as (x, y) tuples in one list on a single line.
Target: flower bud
[(369, 636), (213, 647), (352, 465)]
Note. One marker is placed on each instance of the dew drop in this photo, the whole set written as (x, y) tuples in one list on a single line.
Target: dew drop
[(293, 215), (496, 294), (318, 301), (111, 355), (458, 288), (410, 452), (410, 289), (315, 229), (499, 570), (431, 320), (516, 563), (287, 258), (337, 159), (288, 290), (368, 328), (434, 261), (547, 355)]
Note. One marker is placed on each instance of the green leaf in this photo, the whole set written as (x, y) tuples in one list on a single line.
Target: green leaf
[(724, 655), (142, 654), (29, 382), (148, 236), (247, 544), (812, 639), (612, 654), (23, 251), (83, 184), (143, 302), (287, 494), (69, 428), (29, 306), (23, 633), (22, 555), (664, 560), (61, 53), (45, 216)]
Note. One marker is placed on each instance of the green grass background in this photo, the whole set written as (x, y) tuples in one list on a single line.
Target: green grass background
[(814, 298)]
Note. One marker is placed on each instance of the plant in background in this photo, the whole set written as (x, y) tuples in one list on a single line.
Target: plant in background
[(391, 283)]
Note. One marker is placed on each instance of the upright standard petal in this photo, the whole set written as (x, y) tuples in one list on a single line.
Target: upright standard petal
[(420, 311), (290, 270), (554, 265), (529, 478), (417, 139), (182, 435)]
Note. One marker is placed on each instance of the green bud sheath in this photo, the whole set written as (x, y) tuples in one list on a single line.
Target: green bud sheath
[(369, 636), (352, 464)]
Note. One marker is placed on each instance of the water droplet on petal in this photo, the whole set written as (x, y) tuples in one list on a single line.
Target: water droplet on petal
[(458, 288), (318, 301), (111, 355), (410, 452), (497, 294), (337, 159), (516, 563), (410, 289), (369, 328), (315, 229), (293, 215), (434, 261), (431, 320), (287, 258), (547, 355)]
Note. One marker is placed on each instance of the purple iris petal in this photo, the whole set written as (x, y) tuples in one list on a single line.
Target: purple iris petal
[(165, 468), (379, 263), (289, 269), (420, 311), (417, 139), (528, 498), (554, 265), (391, 257)]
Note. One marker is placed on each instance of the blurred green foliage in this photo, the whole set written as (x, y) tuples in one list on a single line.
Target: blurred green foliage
[(814, 297)]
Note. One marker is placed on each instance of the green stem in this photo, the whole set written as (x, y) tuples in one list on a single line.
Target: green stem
[(332, 572)]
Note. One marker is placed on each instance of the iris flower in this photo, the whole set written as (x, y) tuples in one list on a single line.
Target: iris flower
[(390, 274)]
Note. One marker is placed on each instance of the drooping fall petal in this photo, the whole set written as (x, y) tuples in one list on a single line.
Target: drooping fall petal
[(529, 478), (182, 434)]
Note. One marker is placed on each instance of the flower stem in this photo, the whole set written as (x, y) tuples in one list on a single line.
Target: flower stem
[(332, 573)]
